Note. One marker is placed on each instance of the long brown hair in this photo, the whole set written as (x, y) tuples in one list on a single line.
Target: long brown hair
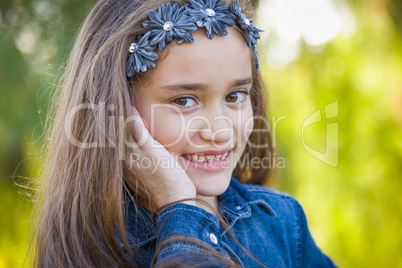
[(79, 208)]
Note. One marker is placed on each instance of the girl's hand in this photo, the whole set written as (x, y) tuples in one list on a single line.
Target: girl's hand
[(161, 186)]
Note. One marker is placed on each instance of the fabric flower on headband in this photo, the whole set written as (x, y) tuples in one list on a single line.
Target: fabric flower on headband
[(168, 23), (250, 32), (211, 15), (141, 56)]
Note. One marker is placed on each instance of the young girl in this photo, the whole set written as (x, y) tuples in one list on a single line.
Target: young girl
[(158, 146)]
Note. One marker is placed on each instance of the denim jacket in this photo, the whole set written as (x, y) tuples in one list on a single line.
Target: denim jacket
[(270, 225)]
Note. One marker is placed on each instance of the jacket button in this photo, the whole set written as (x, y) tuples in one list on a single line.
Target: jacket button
[(238, 207), (213, 238)]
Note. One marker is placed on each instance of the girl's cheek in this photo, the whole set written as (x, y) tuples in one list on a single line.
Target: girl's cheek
[(166, 126)]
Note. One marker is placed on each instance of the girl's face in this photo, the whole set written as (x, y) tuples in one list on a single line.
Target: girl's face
[(196, 104)]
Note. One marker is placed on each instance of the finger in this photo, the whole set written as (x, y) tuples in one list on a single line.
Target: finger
[(141, 135), (137, 139)]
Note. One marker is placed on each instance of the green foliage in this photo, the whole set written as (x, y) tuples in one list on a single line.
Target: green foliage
[(35, 38), (354, 210)]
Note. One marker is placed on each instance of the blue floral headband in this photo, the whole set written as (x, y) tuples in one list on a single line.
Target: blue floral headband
[(174, 22)]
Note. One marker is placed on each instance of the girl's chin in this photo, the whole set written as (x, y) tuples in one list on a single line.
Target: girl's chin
[(212, 185)]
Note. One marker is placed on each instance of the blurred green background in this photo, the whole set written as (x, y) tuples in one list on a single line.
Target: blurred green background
[(334, 72)]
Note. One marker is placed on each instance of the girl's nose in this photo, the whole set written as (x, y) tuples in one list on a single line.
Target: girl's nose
[(219, 131)]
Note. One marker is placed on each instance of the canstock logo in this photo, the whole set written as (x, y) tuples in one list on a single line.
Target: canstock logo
[(330, 156)]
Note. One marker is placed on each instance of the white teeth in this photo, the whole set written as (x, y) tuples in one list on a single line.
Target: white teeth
[(205, 158), (210, 158)]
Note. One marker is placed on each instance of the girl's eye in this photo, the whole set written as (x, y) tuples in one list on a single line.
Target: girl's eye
[(184, 102), (237, 96)]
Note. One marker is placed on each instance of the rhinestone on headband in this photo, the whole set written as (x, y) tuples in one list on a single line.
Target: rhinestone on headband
[(247, 21), (210, 12), (174, 22), (168, 26), (133, 47)]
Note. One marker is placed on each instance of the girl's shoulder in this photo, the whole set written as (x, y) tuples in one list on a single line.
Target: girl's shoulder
[(276, 202), (286, 222), (254, 188)]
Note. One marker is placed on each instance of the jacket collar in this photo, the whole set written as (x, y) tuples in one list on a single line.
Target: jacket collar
[(235, 203), (237, 200)]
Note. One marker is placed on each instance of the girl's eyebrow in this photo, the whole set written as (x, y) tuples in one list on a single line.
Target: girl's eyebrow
[(201, 86)]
